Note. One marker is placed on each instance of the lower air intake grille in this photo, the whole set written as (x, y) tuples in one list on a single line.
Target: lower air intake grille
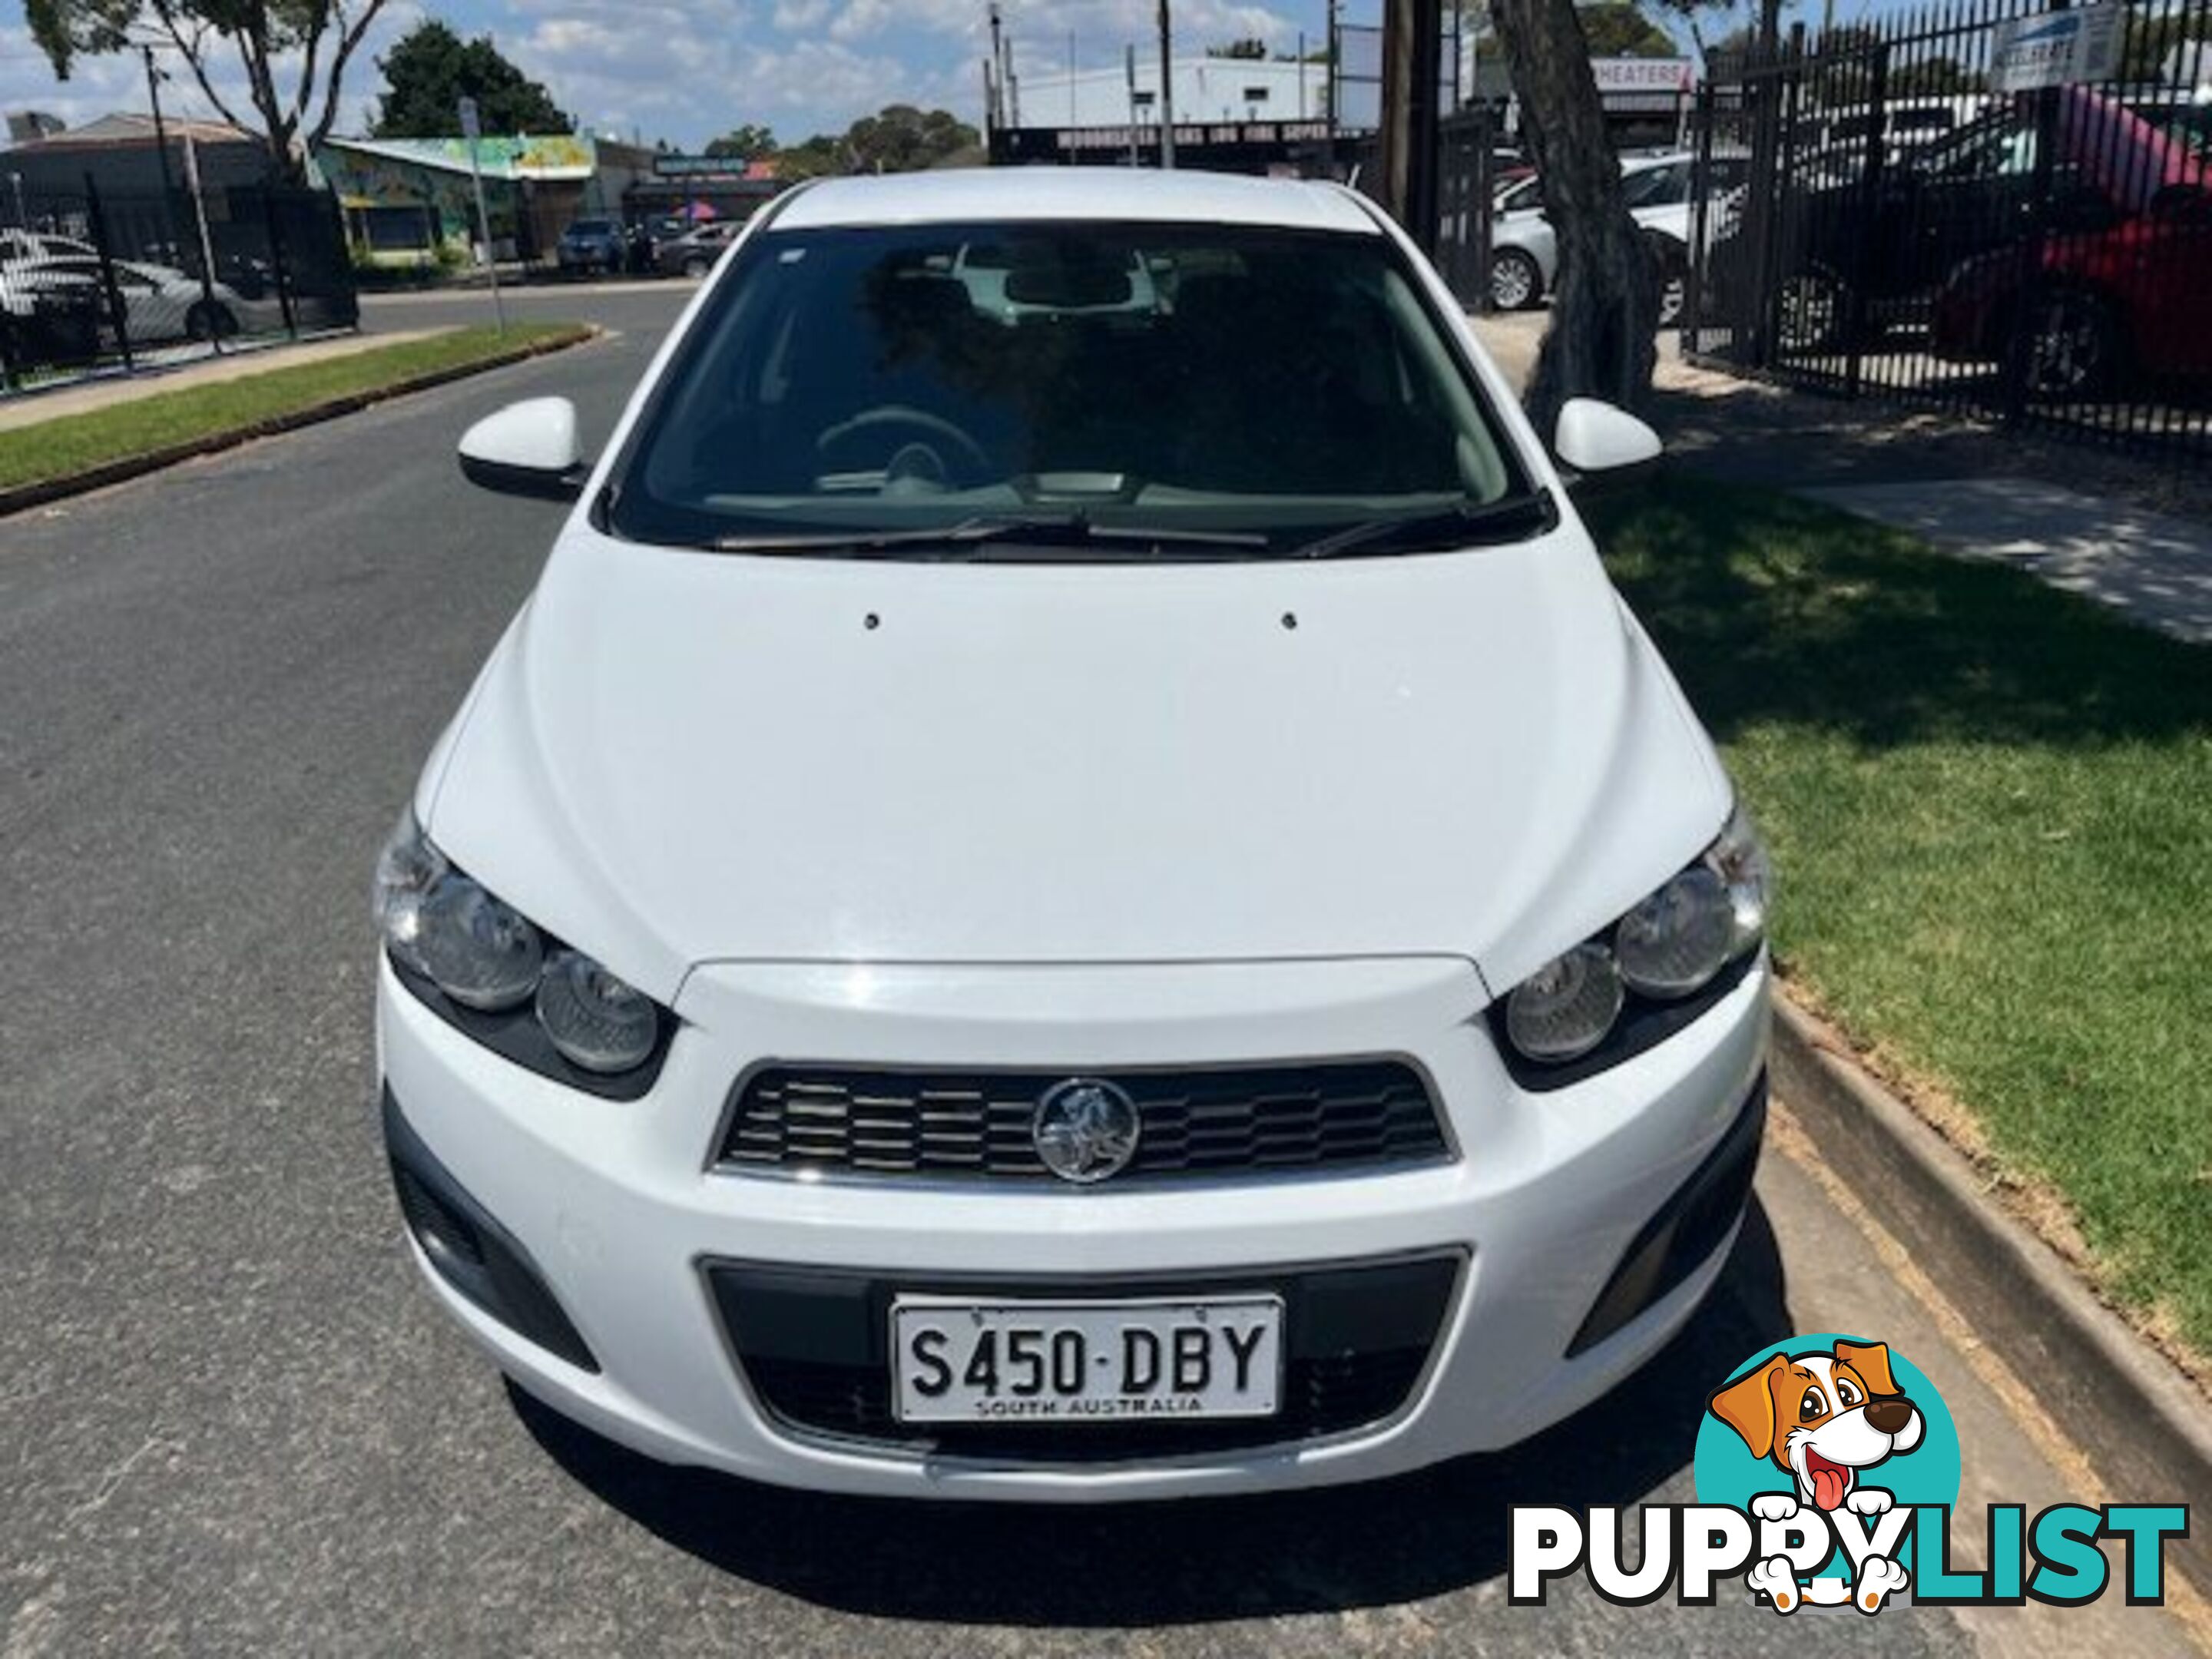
[(813, 1345)]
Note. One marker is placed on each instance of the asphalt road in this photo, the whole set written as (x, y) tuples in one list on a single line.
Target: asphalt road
[(230, 1420)]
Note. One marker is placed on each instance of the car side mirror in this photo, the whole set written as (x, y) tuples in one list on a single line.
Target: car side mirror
[(529, 448), (1603, 443)]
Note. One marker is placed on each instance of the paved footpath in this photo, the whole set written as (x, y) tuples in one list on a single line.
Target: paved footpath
[(235, 363), (2134, 536)]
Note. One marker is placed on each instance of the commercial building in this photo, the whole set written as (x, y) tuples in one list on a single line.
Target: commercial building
[(694, 187), (1648, 100), (119, 154), (1208, 91), (1234, 115), (411, 200)]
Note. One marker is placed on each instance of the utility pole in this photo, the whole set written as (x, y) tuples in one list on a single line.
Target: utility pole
[(1129, 70), (1167, 88), (995, 109), (1413, 49), (1334, 67), (160, 134), (472, 129)]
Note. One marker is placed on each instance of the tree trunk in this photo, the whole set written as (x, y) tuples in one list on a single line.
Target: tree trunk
[(1605, 305)]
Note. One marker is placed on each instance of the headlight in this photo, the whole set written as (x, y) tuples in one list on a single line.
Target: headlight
[(594, 1018), (1677, 939), (488, 971), (1649, 973), (1563, 1010), (481, 953)]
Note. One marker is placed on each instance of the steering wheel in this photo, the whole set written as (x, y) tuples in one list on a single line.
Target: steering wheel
[(899, 415)]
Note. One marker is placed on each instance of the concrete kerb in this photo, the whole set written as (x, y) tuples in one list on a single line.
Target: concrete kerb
[(2138, 1420)]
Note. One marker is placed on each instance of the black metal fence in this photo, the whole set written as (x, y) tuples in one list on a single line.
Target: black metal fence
[(1981, 206), (1466, 190), (92, 280)]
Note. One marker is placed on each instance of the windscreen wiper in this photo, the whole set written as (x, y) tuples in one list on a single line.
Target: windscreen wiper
[(1468, 524), (1008, 536)]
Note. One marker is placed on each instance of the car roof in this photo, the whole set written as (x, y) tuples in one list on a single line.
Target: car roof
[(987, 194)]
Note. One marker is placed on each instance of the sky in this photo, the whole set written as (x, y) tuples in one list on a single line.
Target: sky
[(689, 72)]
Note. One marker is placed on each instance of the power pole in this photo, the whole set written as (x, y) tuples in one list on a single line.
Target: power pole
[(1167, 88), (1129, 72), (994, 109), (1413, 67), (160, 134), (1335, 80)]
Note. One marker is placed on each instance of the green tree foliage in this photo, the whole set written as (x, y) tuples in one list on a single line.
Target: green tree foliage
[(903, 139), (1251, 47), (822, 154), (294, 54), (899, 138), (1618, 29), (430, 68), (748, 143)]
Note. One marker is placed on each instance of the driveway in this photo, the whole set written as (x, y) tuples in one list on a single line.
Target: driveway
[(233, 1422)]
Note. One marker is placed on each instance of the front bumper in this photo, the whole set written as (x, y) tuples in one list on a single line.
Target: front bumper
[(1551, 1199)]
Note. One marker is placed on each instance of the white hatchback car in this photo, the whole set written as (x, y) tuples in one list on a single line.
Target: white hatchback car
[(1099, 904)]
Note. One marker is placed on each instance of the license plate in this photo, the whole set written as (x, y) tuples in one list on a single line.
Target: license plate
[(959, 1361)]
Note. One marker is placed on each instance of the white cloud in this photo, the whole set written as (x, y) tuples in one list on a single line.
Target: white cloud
[(688, 69)]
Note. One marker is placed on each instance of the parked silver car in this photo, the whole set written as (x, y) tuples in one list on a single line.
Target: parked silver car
[(159, 301)]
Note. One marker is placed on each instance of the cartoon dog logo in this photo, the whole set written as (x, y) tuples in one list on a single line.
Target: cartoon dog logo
[(1822, 1418)]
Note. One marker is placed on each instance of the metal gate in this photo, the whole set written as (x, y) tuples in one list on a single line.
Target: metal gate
[(2007, 213), (1466, 192), (94, 279)]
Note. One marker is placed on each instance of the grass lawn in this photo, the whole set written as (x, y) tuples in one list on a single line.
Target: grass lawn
[(75, 443), (1991, 806)]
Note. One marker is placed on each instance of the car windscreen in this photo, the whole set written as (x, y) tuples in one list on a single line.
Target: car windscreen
[(1262, 386), (591, 227)]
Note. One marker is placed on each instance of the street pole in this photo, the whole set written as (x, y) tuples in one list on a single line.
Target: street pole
[(160, 134), (1335, 81), (1412, 47), (207, 243), (995, 106), (472, 129), (1167, 88), (1129, 72)]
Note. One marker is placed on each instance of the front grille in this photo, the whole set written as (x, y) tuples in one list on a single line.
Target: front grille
[(813, 1347), (887, 1122)]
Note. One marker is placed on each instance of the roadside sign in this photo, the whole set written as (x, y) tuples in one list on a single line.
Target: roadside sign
[(2056, 48), (472, 128)]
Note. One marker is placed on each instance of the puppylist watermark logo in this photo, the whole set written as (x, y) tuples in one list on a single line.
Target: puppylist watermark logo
[(1827, 1474)]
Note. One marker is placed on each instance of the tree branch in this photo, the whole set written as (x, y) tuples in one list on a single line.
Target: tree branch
[(190, 48), (314, 46), (350, 38)]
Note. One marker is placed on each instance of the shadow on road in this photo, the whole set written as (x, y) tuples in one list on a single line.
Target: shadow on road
[(1235, 1558)]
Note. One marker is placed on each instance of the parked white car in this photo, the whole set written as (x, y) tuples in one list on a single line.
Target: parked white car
[(1104, 904), (1524, 250), (159, 303), (18, 245)]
